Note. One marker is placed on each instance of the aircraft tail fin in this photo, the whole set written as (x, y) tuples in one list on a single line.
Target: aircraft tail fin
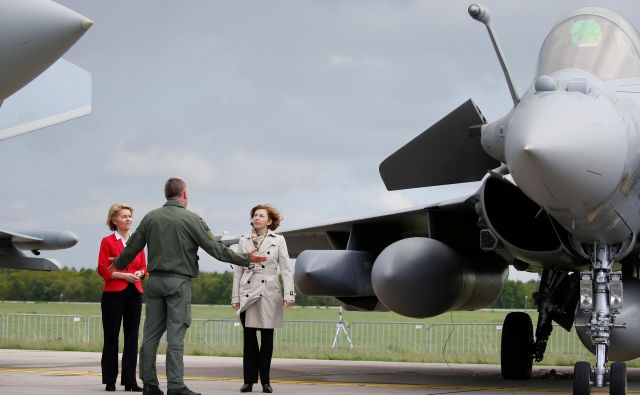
[(448, 152), (31, 108)]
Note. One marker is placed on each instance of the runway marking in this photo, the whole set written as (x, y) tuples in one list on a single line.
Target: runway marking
[(461, 388)]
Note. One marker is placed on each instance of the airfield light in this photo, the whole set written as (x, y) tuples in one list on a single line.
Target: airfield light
[(586, 33)]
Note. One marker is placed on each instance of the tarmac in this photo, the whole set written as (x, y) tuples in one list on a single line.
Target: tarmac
[(60, 372)]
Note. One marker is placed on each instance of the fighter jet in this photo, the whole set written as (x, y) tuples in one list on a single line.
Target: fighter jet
[(559, 195), (33, 35)]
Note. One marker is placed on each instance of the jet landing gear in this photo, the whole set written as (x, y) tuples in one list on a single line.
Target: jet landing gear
[(601, 296), (556, 299)]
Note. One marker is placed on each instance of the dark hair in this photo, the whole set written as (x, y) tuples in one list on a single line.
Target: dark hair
[(272, 213), (174, 187)]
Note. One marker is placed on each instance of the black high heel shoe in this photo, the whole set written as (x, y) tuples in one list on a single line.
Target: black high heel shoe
[(246, 388), (132, 388), (266, 388)]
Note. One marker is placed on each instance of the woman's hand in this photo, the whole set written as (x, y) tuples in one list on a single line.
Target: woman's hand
[(235, 306), (130, 277), (288, 303)]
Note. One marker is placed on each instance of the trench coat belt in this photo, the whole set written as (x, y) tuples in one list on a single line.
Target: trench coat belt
[(261, 270)]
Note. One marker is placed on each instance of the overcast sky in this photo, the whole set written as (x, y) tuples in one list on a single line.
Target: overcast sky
[(294, 103)]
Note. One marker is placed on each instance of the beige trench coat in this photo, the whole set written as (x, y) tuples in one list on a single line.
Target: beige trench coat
[(258, 290)]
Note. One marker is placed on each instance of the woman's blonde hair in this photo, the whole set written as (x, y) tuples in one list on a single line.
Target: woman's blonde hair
[(272, 213), (113, 213)]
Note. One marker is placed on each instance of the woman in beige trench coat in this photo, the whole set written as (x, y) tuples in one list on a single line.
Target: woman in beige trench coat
[(257, 295)]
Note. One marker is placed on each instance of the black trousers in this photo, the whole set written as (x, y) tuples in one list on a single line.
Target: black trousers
[(256, 360), (120, 307)]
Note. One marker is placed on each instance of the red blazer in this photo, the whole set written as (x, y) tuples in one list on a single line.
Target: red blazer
[(111, 247)]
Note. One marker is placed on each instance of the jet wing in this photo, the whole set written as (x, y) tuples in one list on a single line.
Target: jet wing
[(13, 236), (453, 221)]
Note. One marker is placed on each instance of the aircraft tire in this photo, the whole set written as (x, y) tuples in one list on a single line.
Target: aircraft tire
[(618, 378), (581, 378), (516, 360)]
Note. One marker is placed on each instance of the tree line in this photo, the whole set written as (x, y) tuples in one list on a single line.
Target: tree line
[(85, 285)]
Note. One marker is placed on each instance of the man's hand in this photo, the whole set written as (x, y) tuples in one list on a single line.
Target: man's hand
[(255, 258), (112, 267), (288, 303), (235, 306)]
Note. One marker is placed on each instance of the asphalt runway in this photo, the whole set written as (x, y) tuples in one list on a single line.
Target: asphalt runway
[(59, 372)]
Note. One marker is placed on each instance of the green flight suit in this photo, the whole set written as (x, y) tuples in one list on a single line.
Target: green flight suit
[(173, 235)]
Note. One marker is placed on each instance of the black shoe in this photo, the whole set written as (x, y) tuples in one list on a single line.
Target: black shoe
[(132, 388), (182, 391), (267, 388), (148, 389), (246, 388), (110, 387)]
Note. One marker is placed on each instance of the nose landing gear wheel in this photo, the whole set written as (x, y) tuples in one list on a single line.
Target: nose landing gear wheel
[(582, 378), (618, 377)]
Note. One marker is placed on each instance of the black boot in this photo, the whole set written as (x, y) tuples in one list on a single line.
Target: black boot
[(246, 388), (266, 388), (148, 389)]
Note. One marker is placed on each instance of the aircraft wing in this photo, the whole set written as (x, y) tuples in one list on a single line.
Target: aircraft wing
[(453, 220), (13, 236), (392, 260)]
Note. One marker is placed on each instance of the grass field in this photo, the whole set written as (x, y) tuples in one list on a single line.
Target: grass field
[(309, 334)]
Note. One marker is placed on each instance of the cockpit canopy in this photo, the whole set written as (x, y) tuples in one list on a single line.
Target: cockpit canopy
[(594, 39)]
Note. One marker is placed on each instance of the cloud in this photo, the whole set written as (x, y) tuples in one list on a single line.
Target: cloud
[(387, 200), (16, 215), (197, 170), (366, 62), (339, 60)]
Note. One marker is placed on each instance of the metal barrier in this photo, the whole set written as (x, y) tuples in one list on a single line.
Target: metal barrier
[(45, 327), (369, 336)]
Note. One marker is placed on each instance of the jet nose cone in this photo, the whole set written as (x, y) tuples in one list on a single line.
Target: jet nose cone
[(67, 239), (87, 23), (566, 150)]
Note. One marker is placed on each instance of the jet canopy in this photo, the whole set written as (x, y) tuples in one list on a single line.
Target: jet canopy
[(594, 39)]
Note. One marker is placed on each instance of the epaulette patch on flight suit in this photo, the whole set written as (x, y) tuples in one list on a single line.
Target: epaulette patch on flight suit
[(204, 225), (206, 229)]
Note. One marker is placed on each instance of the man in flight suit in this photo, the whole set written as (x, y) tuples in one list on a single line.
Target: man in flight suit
[(173, 235)]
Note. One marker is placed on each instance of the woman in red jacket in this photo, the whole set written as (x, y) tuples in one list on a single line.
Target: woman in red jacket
[(121, 301)]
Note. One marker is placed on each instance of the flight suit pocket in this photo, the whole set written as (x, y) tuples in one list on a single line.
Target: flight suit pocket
[(183, 310)]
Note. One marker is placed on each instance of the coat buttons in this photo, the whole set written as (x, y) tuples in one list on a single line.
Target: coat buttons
[(263, 266), (268, 252), (247, 295), (249, 282), (263, 281)]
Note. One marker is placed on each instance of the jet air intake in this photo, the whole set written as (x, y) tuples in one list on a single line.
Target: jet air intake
[(421, 277)]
